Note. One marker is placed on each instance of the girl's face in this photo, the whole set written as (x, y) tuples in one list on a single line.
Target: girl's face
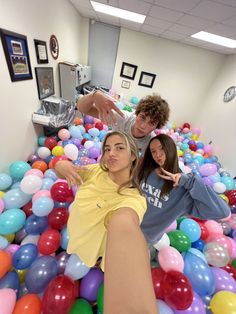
[(157, 152), (117, 155)]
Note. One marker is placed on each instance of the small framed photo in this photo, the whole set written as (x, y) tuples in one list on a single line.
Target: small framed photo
[(128, 70), (41, 51), (17, 55), (45, 82), (125, 84), (147, 79)]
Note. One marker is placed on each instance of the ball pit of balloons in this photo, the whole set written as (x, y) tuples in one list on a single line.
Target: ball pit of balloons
[(193, 266)]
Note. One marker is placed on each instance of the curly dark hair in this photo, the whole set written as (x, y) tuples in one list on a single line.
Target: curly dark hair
[(156, 108)]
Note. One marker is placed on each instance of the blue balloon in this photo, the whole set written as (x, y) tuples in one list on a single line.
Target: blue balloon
[(199, 245), (16, 198), (42, 206), (11, 281), (40, 273), (11, 221), (5, 181), (163, 307), (191, 228), (35, 224), (47, 183), (64, 238), (50, 173), (199, 274), (75, 268), (3, 243), (25, 256)]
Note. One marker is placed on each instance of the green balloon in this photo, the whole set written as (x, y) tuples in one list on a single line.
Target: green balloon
[(234, 263), (81, 306), (179, 240), (179, 220), (100, 298)]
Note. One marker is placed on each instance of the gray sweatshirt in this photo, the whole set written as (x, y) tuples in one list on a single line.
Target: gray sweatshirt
[(190, 197)]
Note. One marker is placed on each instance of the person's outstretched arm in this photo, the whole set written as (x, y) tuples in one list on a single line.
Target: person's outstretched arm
[(128, 284), (96, 104)]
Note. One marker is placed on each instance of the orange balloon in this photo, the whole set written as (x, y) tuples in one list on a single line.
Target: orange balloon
[(40, 164), (5, 262), (78, 121), (28, 304)]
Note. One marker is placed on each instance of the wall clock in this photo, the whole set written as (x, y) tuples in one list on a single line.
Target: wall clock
[(54, 47), (229, 94)]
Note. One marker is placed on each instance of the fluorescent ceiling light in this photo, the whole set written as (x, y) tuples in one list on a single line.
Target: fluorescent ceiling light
[(123, 14), (215, 39)]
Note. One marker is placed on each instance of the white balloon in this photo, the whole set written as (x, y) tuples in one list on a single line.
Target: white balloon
[(163, 242), (43, 152), (30, 239), (219, 187), (31, 184), (71, 151), (88, 144)]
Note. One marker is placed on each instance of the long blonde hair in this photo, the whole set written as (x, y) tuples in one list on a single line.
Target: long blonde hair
[(133, 150)]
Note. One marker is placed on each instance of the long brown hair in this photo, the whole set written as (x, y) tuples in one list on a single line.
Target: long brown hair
[(133, 150), (148, 164)]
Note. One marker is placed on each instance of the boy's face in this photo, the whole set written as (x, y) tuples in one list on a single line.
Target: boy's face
[(143, 125)]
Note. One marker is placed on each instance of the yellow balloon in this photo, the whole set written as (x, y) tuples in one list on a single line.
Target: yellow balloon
[(225, 198), (223, 302), (10, 237), (1, 194), (21, 274), (194, 137), (57, 151), (179, 152)]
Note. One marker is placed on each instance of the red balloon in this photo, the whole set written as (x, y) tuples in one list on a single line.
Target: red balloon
[(186, 125), (88, 126), (157, 277), (56, 159), (83, 141), (28, 209), (204, 231), (59, 295), (230, 269), (49, 242), (50, 142), (99, 126), (231, 194), (193, 147), (58, 217), (61, 192), (177, 290)]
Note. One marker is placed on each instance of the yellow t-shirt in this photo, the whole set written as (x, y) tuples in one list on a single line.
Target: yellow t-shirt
[(96, 198)]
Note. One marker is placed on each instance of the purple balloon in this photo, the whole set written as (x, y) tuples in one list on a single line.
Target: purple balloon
[(207, 169), (93, 152), (223, 280), (197, 306), (207, 181), (88, 119), (62, 259), (90, 284)]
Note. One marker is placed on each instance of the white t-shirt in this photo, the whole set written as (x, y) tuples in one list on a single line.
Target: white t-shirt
[(125, 123)]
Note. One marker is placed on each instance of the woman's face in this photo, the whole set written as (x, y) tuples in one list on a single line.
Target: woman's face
[(157, 152), (117, 156)]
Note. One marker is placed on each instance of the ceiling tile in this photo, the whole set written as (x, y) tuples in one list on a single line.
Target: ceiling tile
[(213, 11), (156, 22), (178, 5), (173, 35), (152, 30), (165, 14), (227, 2), (135, 6), (221, 30), (196, 22), (182, 29), (230, 22), (82, 3)]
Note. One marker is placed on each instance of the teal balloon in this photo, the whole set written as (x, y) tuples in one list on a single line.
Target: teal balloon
[(41, 140), (228, 182), (11, 221), (5, 181), (18, 169), (15, 198)]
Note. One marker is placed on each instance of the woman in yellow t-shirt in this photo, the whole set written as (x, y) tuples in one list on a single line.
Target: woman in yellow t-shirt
[(105, 222)]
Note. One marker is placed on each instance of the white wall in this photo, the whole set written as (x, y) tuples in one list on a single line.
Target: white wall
[(18, 100), (184, 73), (218, 119)]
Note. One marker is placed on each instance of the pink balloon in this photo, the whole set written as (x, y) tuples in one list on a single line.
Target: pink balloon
[(171, 227), (222, 240), (170, 259), (12, 248), (2, 205), (7, 300), (213, 227), (233, 243), (41, 193), (36, 172)]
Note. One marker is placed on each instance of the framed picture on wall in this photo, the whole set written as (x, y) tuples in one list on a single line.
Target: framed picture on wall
[(45, 82), (128, 70), (17, 55), (125, 84), (41, 51), (147, 79)]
